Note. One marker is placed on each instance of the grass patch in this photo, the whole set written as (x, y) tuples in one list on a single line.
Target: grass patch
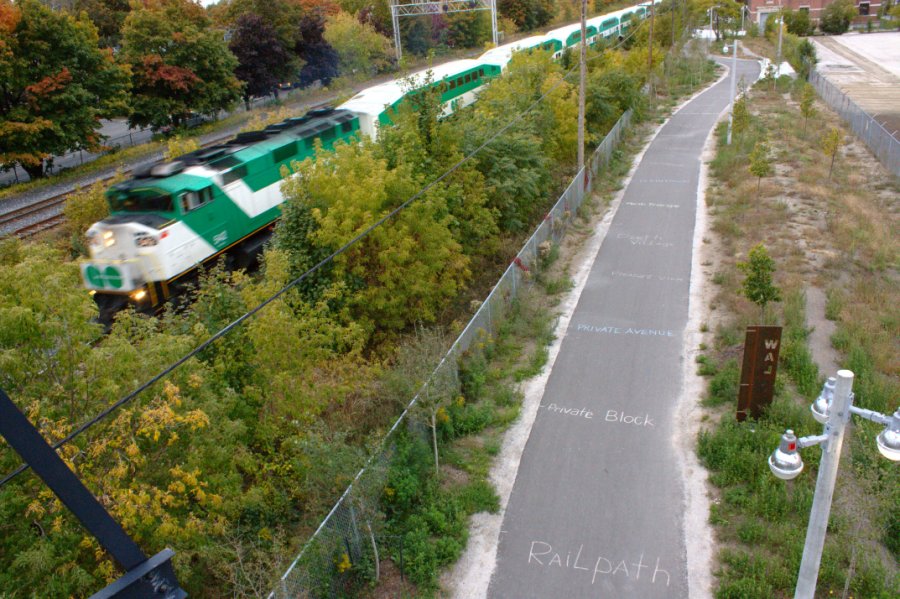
[(812, 227)]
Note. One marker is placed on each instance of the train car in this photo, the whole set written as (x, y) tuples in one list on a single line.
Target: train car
[(174, 216), (459, 82), (566, 37), (501, 55), (607, 26)]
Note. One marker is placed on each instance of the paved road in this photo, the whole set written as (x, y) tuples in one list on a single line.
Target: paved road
[(116, 132), (596, 510)]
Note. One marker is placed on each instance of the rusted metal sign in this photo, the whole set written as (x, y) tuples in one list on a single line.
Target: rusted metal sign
[(761, 348)]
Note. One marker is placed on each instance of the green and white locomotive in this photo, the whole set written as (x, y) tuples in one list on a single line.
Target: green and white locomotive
[(173, 217)]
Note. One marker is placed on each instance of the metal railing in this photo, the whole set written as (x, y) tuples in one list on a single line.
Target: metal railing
[(880, 141), (348, 529)]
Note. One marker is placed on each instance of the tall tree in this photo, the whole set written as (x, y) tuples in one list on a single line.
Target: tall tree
[(108, 16), (468, 29), (527, 14), (405, 270), (428, 147), (55, 85), (179, 63), (837, 16), (361, 49), (262, 61), (280, 15), (320, 58)]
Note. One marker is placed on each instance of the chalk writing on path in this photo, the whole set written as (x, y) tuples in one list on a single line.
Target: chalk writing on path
[(662, 181), (652, 205), (608, 330), (633, 275), (583, 412), (623, 418), (647, 240), (542, 555)]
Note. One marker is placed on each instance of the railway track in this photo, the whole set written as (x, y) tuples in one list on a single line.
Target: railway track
[(34, 218), (46, 214)]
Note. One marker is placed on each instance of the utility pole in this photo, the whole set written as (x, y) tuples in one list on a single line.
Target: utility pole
[(673, 23), (733, 84), (650, 42), (581, 86)]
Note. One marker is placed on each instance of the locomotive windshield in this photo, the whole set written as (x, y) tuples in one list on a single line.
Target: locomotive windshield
[(141, 200)]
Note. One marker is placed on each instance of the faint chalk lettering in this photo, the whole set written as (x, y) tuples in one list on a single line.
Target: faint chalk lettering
[(646, 240), (541, 554), (590, 328), (583, 412)]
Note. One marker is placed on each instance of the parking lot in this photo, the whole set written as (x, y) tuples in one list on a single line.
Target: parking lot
[(865, 66)]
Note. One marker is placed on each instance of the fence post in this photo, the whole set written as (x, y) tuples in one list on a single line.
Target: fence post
[(514, 272)]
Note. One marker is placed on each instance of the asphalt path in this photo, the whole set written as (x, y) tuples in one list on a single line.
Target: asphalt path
[(597, 505)]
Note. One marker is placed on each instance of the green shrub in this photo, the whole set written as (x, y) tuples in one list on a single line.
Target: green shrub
[(473, 373), (412, 464), (837, 16), (723, 387), (466, 419), (798, 364), (798, 22), (479, 496), (751, 532)]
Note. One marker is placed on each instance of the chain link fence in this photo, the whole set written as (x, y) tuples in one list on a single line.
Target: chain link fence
[(880, 141), (348, 535)]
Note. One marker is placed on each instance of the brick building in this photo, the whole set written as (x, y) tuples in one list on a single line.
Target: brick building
[(761, 9)]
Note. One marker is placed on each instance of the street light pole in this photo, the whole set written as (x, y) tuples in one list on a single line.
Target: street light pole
[(650, 46), (581, 84), (780, 28), (839, 414), (833, 407)]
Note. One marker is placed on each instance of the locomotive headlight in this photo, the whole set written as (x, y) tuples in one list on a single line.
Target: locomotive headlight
[(109, 239), (139, 295)]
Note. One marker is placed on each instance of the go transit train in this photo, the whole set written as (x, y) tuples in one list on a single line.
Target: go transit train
[(172, 217)]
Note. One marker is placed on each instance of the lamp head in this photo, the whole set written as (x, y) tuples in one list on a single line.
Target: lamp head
[(785, 462), (819, 407), (889, 439)]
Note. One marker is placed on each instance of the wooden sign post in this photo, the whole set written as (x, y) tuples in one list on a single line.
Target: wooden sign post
[(761, 348)]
